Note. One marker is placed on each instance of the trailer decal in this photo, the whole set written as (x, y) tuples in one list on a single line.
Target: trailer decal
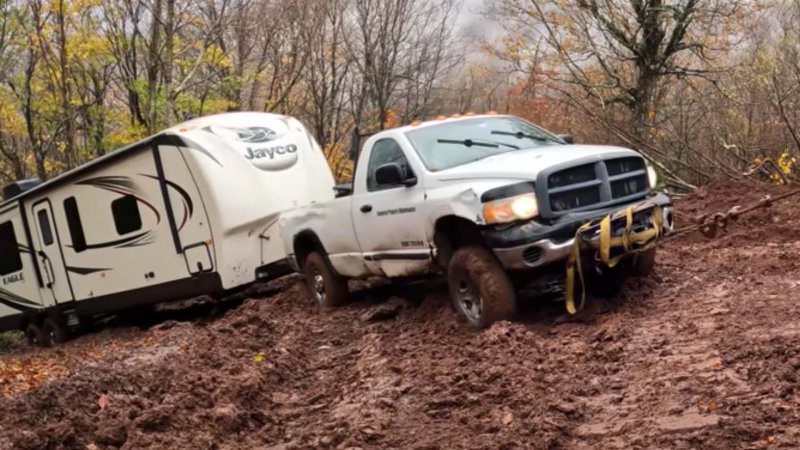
[(130, 241), (205, 153), (85, 270), (16, 302), (122, 186), (11, 279), (188, 204)]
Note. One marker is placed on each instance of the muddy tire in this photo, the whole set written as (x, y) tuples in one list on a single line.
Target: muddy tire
[(34, 335), (644, 262), (606, 282), (54, 332), (326, 286), (480, 288)]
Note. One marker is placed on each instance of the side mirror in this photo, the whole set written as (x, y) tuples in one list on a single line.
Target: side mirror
[(566, 138), (343, 190), (391, 174)]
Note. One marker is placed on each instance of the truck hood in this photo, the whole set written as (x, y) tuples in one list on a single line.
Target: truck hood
[(526, 164)]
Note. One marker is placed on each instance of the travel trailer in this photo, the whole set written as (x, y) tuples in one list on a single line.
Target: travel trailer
[(190, 211)]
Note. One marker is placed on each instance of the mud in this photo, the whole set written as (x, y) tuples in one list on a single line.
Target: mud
[(703, 354)]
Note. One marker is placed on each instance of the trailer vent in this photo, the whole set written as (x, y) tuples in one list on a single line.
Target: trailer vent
[(18, 187)]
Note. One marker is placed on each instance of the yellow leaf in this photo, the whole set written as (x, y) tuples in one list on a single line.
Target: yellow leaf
[(259, 357)]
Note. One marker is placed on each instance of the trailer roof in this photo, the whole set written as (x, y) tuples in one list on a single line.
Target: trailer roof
[(170, 136), (114, 155)]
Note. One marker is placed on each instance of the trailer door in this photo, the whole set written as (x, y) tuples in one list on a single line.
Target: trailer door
[(47, 249)]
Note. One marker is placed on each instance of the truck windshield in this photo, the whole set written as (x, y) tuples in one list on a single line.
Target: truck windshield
[(444, 146)]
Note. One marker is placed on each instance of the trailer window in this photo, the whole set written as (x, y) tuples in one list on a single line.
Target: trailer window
[(126, 214), (74, 224), (10, 261), (44, 226)]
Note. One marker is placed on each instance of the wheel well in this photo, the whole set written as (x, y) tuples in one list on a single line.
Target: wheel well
[(304, 243), (452, 233)]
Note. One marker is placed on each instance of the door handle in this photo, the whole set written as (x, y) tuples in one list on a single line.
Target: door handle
[(51, 277), (366, 208)]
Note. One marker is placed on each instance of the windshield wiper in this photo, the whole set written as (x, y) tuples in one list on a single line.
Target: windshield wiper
[(471, 143), (520, 135)]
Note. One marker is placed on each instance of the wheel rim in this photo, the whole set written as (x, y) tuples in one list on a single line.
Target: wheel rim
[(33, 337), (469, 300), (318, 286), (51, 337)]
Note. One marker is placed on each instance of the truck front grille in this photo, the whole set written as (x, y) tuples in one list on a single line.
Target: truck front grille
[(594, 185)]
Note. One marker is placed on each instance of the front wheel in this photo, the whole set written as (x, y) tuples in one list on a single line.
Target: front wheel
[(480, 288), (326, 286), (644, 262)]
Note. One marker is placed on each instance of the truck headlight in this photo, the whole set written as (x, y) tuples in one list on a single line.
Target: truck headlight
[(652, 176), (519, 207)]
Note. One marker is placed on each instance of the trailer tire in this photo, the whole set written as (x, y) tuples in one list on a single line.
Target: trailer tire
[(326, 286), (644, 262), (480, 288), (54, 332), (34, 334)]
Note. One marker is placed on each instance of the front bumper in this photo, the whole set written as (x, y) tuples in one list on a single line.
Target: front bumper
[(533, 244)]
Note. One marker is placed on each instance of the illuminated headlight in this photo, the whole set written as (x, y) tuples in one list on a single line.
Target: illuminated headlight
[(652, 176), (520, 207)]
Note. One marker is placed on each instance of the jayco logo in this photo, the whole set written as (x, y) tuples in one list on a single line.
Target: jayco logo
[(270, 151), (268, 157), (272, 158)]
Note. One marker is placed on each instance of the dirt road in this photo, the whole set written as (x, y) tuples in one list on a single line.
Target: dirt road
[(705, 354)]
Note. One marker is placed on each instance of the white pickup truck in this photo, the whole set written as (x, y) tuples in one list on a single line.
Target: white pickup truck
[(484, 199)]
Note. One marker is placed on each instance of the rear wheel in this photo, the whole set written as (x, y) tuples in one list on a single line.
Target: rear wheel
[(326, 286), (34, 334), (54, 332), (480, 288)]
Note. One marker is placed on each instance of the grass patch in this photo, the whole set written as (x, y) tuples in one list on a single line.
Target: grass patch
[(9, 338)]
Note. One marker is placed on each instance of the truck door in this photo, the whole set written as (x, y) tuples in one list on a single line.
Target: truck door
[(47, 249), (387, 219)]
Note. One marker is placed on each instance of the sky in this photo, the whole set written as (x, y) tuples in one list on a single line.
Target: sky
[(472, 19)]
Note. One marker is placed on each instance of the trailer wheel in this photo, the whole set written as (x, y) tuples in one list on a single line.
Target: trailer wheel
[(326, 286), (480, 288), (54, 332), (644, 262), (34, 334)]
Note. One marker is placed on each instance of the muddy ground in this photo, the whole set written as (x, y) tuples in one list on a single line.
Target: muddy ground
[(702, 355)]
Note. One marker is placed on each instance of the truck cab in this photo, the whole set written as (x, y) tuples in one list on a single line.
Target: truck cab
[(476, 198)]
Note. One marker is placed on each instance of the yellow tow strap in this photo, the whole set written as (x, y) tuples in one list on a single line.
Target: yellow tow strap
[(641, 240)]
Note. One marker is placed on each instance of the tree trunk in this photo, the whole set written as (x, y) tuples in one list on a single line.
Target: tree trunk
[(169, 110), (153, 69), (66, 94)]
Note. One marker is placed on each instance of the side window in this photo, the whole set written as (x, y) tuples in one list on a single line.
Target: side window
[(44, 226), (385, 151), (126, 214), (11, 261), (74, 224)]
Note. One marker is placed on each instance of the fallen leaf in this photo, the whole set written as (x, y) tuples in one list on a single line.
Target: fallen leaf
[(102, 401), (508, 418), (259, 357), (91, 446)]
